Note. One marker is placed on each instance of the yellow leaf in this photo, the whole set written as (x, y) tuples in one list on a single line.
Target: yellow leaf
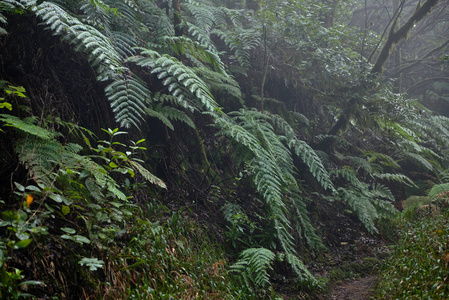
[(29, 200)]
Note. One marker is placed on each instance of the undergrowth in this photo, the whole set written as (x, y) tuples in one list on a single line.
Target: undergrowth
[(418, 265), (73, 229)]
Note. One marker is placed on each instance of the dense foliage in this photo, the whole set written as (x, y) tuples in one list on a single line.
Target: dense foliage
[(417, 268), (236, 117)]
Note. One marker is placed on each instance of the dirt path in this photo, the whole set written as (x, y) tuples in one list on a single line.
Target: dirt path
[(359, 289)]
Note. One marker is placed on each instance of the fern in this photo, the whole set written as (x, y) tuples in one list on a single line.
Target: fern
[(220, 84), (129, 97), (303, 224), (101, 52), (395, 177), (147, 175), (298, 267), (167, 113), (271, 170), (419, 159), (254, 265), (303, 151), (348, 174), (26, 126), (438, 189), (241, 43), (360, 203), (180, 80)]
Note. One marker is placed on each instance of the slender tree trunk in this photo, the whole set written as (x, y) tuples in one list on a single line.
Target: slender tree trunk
[(177, 17), (394, 36)]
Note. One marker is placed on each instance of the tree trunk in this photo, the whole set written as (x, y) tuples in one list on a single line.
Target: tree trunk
[(394, 36), (177, 17)]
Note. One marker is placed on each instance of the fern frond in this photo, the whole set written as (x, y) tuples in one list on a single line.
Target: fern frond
[(415, 157), (173, 101), (148, 176), (338, 140), (348, 174), (395, 177), (361, 205), (255, 263), (304, 226), (180, 80), (380, 190), (241, 42), (101, 52), (220, 83), (382, 159), (26, 126), (299, 267), (40, 157), (438, 189), (360, 162), (124, 43), (313, 162), (201, 14), (129, 97), (167, 113)]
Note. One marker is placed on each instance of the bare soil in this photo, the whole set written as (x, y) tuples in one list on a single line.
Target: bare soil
[(359, 289)]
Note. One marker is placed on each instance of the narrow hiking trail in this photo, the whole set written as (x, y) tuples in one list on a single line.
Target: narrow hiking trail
[(359, 289)]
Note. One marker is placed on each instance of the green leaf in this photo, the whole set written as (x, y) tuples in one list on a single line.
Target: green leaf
[(19, 187), (65, 210), (31, 282), (6, 105), (92, 263), (68, 230), (22, 236), (81, 239), (22, 244), (60, 199)]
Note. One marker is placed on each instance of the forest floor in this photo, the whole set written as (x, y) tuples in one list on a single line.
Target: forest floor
[(353, 258), (359, 289)]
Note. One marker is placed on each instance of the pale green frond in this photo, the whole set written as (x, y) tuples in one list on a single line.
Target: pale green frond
[(128, 97), (26, 126), (148, 176), (180, 79), (85, 38)]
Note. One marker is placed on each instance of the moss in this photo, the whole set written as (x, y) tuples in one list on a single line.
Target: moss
[(414, 201)]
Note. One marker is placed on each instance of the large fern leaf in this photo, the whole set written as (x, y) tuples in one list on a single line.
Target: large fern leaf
[(129, 97), (180, 80)]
